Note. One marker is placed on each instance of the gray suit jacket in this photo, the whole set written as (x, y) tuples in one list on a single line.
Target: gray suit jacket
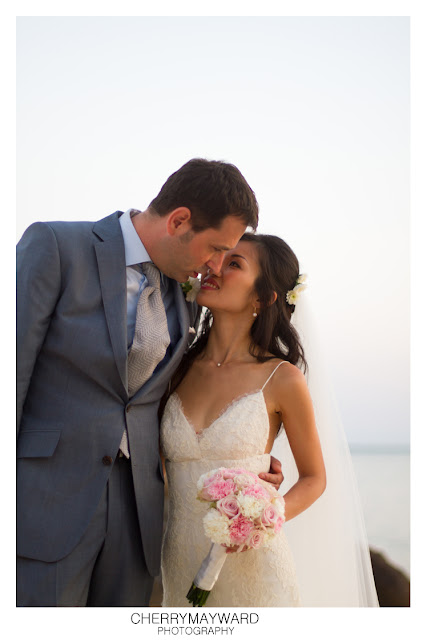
[(72, 397)]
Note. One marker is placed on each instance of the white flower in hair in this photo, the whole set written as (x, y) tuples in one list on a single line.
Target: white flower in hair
[(293, 294)]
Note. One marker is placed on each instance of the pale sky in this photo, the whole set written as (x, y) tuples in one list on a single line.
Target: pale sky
[(313, 111)]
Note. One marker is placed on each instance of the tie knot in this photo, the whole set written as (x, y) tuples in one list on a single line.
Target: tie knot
[(152, 274)]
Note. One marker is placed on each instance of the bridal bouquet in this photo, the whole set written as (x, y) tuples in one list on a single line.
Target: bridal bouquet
[(244, 511)]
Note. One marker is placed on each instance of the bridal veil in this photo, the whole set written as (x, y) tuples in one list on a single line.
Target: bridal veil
[(328, 540)]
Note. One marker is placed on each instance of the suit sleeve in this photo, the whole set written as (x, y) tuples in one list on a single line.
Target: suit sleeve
[(38, 290)]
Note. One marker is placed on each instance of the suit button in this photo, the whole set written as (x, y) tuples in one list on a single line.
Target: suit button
[(107, 460)]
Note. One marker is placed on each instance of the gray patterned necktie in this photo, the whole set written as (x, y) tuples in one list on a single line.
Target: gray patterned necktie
[(151, 338)]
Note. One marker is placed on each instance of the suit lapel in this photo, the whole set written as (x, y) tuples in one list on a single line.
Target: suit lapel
[(110, 254)]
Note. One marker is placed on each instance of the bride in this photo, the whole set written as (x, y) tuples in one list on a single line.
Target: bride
[(240, 385)]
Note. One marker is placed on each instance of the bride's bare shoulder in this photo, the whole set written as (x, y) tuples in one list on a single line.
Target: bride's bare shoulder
[(287, 375)]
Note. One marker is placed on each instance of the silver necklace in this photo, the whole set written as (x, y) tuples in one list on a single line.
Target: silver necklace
[(219, 364)]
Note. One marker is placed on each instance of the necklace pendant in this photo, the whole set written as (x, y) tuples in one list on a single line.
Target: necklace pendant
[(219, 364)]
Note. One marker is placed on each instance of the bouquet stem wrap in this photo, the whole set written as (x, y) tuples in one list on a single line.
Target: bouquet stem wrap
[(207, 575)]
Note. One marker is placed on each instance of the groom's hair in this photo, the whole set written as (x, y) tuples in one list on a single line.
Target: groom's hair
[(212, 190)]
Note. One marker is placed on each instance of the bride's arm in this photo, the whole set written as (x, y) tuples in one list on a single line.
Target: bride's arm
[(293, 403)]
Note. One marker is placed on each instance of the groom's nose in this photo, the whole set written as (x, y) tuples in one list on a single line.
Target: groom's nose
[(215, 264)]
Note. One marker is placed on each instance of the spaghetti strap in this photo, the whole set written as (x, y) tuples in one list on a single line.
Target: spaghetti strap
[(272, 374)]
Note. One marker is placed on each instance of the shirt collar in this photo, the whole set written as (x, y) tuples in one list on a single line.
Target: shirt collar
[(135, 252)]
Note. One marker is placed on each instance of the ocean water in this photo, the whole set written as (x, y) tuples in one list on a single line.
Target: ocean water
[(383, 480)]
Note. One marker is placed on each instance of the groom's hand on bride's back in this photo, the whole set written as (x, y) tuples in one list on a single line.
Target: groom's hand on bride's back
[(274, 475)]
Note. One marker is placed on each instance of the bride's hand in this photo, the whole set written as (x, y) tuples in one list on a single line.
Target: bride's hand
[(235, 548), (275, 475)]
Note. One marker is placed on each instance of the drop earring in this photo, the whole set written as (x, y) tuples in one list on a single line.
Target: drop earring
[(255, 313)]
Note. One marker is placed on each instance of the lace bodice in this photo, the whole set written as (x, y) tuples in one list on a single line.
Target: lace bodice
[(240, 430), (237, 438)]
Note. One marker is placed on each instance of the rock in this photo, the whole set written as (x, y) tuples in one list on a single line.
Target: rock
[(392, 584)]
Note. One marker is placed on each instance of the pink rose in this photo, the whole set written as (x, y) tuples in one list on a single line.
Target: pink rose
[(270, 516), (217, 475), (240, 529), (278, 524), (255, 540), (228, 506), (204, 491)]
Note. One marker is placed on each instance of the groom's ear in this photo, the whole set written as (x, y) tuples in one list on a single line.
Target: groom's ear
[(179, 221)]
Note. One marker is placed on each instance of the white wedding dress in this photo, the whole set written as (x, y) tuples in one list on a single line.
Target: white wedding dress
[(237, 438)]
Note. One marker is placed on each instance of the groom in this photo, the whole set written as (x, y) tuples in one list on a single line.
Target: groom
[(100, 332)]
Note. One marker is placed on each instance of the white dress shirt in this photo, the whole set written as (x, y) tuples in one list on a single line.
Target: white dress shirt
[(135, 253)]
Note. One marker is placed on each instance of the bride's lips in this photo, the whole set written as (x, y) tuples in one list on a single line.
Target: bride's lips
[(209, 283)]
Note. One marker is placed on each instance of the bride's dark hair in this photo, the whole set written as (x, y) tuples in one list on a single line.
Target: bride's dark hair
[(272, 331)]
